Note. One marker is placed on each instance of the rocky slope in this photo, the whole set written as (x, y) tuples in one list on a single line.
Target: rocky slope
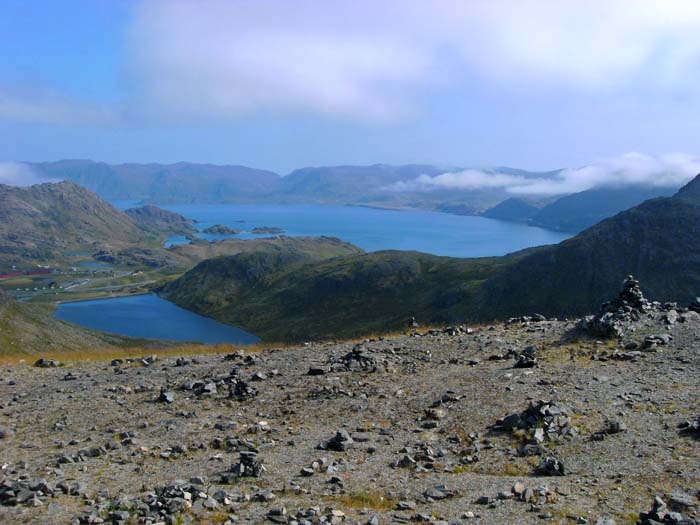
[(657, 241), (158, 220), (533, 421), (43, 223)]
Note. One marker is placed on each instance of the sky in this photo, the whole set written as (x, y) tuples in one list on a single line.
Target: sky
[(595, 87)]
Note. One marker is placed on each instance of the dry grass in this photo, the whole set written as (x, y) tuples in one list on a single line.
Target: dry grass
[(511, 469), (107, 354), (366, 500)]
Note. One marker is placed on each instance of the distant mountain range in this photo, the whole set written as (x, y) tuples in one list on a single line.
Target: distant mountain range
[(657, 241), (379, 185)]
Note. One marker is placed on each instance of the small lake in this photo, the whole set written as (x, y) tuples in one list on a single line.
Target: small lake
[(149, 316), (374, 229)]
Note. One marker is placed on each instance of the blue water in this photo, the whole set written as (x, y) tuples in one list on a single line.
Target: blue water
[(150, 317), (376, 229), (94, 265)]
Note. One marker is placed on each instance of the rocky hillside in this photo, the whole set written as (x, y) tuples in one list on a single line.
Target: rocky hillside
[(43, 223), (657, 241), (528, 422)]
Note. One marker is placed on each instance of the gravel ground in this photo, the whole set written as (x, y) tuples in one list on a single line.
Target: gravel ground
[(96, 439)]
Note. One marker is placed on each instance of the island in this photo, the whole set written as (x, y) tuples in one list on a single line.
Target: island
[(266, 229), (220, 229)]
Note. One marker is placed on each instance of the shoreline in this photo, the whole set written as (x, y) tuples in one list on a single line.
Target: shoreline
[(101, 298)]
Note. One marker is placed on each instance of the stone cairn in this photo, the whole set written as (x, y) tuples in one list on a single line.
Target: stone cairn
[(541, 422), (615, 316)]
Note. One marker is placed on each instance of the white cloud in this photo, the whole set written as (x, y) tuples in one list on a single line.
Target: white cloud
[(630, 169), (368, 59), (19, 174), (470, 179), (364, 59)]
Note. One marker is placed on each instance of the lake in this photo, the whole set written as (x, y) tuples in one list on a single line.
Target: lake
[(151, 317), (373, 229)]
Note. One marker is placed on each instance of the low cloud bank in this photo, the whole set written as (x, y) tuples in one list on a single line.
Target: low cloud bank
[(18, 174), (630, 169)]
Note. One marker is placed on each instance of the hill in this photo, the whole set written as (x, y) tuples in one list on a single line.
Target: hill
[(291, 298), (690, 191), (381, 185), (350, 183), (575, 212), (46, 222), (515, 210), (28, 328)]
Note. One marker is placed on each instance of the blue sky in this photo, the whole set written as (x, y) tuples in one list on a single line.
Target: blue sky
[(283, 83)]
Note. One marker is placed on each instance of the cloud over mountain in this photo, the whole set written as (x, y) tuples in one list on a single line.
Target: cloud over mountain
[(19, 174), (631, 169)]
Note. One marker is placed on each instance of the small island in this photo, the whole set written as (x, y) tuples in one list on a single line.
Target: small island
[(266, 229), (220, 229)]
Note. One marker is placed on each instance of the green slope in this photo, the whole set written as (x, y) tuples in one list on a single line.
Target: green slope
[(282, 298)]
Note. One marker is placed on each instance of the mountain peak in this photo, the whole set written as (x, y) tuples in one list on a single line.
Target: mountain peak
[(690, 191)]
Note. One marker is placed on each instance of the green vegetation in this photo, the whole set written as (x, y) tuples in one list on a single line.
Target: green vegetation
[(292, 297)]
